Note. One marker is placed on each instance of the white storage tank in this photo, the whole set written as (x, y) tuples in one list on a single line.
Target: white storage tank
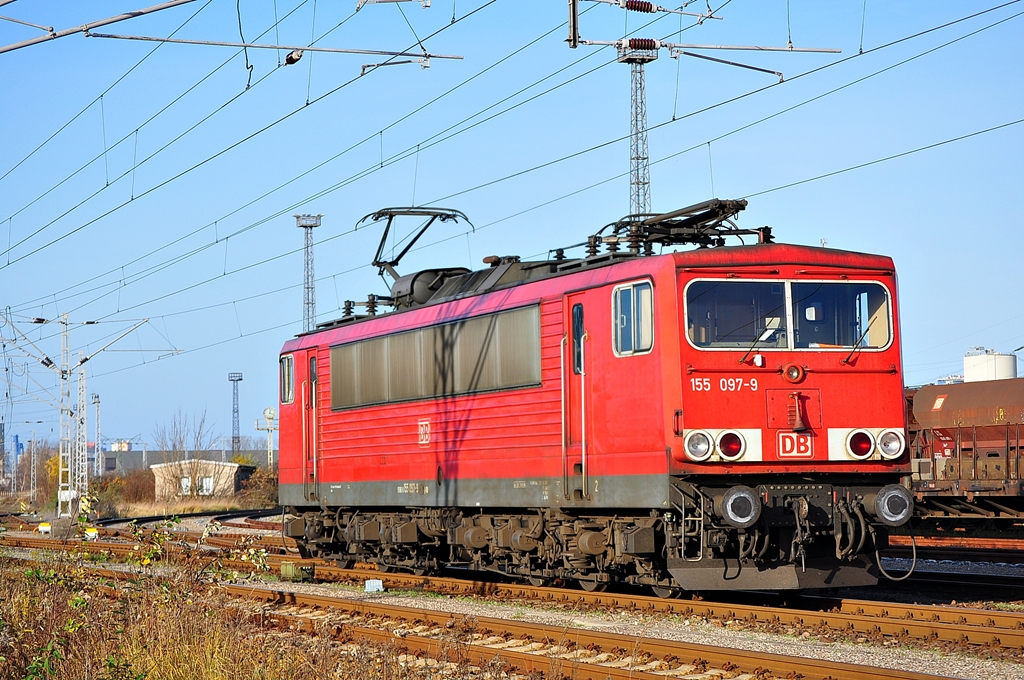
[(987, 364)]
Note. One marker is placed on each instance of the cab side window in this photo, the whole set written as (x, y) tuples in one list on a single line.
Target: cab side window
[(633, 318), (287, 379)]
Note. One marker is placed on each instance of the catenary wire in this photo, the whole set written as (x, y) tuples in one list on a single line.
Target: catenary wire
[(228, 148), (135, 133), (697, 146), (777, 114), (455, 236), (106, 91), (312, 169)]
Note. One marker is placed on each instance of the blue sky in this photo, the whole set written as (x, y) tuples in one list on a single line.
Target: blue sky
[(171, 198)]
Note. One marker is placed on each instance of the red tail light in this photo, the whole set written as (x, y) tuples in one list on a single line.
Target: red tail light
[(730, 445), (861, 444)]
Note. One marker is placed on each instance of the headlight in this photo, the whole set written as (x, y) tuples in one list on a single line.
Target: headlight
[(731, 446), (739, 506), (860, 444), (890, 444), (698, 446), (793, 373), (893, 505)]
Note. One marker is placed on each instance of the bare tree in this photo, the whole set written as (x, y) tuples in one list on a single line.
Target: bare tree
[(188, 445), (184, 438)]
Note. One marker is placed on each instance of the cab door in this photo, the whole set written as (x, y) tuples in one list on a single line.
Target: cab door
[(576, 429), (307, 374)]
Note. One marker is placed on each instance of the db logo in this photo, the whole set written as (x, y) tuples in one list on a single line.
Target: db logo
[(795, 445), (424, 432)]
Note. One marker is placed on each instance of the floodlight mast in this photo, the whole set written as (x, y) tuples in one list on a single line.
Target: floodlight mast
[(236, 438), (307, 223)]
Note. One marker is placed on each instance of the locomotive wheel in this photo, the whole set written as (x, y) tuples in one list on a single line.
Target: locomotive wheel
[(665, 593), (538, 581), (592, 586)]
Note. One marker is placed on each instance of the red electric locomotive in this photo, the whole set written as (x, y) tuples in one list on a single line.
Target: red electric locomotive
[(728, 417)]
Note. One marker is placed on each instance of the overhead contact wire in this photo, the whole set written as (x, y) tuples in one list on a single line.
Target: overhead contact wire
[(227, 148)]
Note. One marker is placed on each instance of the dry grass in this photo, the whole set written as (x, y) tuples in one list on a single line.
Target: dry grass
[(176, 507), (59, 621)]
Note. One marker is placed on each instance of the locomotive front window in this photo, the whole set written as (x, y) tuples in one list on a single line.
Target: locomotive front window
[(800, 315), (633, 319), (840, 315), (737, 314), (287, 379)]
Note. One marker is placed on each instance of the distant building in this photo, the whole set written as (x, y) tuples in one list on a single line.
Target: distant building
[(124, 461), (194, 478)]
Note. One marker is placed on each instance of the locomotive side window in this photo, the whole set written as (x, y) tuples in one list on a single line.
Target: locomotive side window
[(832, 315), (577, 339), (633, 319), (287, 379), (485, 353), (736, 314)]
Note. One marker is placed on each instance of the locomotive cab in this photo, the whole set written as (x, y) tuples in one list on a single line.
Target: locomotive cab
[(791, 418)]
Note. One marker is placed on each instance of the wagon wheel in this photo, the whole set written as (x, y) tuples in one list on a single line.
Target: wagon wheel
[(592, 586)]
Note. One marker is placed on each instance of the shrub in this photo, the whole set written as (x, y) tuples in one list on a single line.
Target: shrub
[(139, 487), (260, 490)]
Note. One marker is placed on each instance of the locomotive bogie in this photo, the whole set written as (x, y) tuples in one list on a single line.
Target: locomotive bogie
[(802, 535)]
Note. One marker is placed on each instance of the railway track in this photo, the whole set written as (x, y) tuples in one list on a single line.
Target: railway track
[(929, 623), (430, 637), (959, 548), (553, 650)]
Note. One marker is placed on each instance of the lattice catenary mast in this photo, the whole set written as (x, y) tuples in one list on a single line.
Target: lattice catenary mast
[(32, 472), (80, 467), (236, 437), (97, 450), (639, 51), (307, 222), (64, 480), (639, 159), (73, 469)]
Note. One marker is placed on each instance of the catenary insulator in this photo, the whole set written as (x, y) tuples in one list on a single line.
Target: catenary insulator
[(643, 44), (640, 6)]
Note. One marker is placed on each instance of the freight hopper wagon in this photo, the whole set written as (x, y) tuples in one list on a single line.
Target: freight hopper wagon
[(966, 449), (728, 417)]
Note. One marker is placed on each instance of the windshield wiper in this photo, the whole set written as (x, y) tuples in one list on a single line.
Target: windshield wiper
[(772, 324), (856, 346)]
